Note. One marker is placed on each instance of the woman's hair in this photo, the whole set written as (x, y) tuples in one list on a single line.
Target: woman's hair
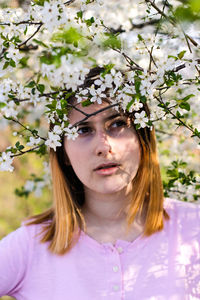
[(62, 222)]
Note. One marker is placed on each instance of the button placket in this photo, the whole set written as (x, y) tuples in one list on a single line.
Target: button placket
[(120, 250), (115, 269), (116, 273), (115, 287)]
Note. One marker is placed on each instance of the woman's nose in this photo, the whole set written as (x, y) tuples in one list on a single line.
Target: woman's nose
[(103, 145)]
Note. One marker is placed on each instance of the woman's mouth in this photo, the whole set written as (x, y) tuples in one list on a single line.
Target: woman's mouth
[(107, 169)]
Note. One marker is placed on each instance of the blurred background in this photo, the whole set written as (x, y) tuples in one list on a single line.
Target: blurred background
[(15, 204)]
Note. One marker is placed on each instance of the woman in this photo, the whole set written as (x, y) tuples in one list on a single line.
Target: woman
[(110, 234)]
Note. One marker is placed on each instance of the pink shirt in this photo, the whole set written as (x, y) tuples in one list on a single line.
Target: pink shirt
[(164, 266)]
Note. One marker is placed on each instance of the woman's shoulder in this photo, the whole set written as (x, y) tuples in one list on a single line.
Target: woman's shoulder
[(184, 216), (24, 237), (181, 207)]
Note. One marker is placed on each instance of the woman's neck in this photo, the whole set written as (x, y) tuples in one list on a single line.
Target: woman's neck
[(105, 217)]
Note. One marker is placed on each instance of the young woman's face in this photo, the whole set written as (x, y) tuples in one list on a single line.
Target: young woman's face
[(106, 154)]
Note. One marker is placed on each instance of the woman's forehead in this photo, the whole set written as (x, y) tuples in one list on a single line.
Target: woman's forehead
[(78, 115)]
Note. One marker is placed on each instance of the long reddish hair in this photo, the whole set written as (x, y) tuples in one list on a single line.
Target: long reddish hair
[(62, 222)]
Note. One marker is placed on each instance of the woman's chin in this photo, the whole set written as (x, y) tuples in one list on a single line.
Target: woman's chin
[(110, 188)]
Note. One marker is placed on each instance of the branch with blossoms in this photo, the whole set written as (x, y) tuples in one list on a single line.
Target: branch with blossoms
[(57, 44)]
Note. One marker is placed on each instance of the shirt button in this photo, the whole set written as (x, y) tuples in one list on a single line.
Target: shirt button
[(115, 288), (120, 250), (115, 268)]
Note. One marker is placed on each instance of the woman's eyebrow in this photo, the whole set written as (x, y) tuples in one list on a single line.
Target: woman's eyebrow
[(105, 119)]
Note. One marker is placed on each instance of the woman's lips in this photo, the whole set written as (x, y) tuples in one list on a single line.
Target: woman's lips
[(107, 169)]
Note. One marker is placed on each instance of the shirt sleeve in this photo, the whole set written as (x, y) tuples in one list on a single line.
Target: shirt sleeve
[(14, 255)]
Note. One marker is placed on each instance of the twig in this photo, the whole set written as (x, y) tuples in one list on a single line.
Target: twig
[(22, 22), (167, 133), (159, 10), (130, 61), (93, 114), (30, 150), (69, 2), (177, 118), (142, 25), (33, 133), (157, 28), (175, 191), (31, 36)]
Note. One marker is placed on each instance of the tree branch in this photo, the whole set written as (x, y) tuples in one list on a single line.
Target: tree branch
[(175, 117), (93, 114), (30, 150), (69, 2), (28, 129), (142, 25), (24, 43)]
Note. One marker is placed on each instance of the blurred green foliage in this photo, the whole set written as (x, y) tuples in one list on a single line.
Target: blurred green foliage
[(15, 209), (189, 10)]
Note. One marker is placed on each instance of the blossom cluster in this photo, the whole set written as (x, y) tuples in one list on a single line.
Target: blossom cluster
[(47, 53)]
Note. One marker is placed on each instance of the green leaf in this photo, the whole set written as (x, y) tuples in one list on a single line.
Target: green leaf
[(40, 43), (47, 58), (5, 43), (21, 147), (140, 38), (112, 42), (186, 13), (86, 103), (23, 61), (178, 115), (6, 65), (21, 192), (137, 85), (12, 63), (69, 36), (185, 106), (63, 103), (143, 99), (30, 84), (17, 144), (90, 21), (195, 6), (41, 151), (181, 54), (40, 2), (129, 104), (188, 97), (80, 14), (68, 95), (2, 104), (52, 106), (41, 88), (25, 31)]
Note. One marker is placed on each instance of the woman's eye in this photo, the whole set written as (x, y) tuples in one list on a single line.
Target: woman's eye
[(118, 124), (84, 130)]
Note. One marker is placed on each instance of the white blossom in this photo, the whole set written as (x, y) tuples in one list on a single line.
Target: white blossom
[(33, 141), (6, 161), (57, 130), (97, 94), (82, 95), (10, 109), (53, 140), (104, 82), (135, 106), (52, 14), (71, 133), (141, 119), (14, 53), (29, 185), (39, 185)]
